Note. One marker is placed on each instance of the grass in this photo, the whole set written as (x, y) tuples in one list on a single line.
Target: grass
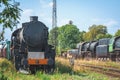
[(63, 72), (5, 66)]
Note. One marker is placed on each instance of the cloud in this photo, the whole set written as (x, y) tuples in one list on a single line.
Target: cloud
[(46, 4), (46, 19), (50, 4), (111, 23), (63, 21), (106, 22), (26, 14), (25, 17), (96, 20), (42, 16)]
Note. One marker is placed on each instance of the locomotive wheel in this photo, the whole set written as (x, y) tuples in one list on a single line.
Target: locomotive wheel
[(32, 69), (50, 69), (16, 63), (118, 57), (113, 57), (51, 66), (88, 56), (82, 56)]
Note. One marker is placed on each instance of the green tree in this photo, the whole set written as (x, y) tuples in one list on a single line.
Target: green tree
[(81, 36), (117, 33), (100, 36), (87, 36), (98, 29), (53, 35), (68, 36), (95, 30), (9, 15)]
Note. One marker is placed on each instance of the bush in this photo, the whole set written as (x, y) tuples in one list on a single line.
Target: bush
[(2, 77)]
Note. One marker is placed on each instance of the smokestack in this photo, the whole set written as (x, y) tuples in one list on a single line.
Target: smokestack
[(33, 18)]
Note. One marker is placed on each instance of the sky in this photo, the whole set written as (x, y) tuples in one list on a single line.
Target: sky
[(83, 13)]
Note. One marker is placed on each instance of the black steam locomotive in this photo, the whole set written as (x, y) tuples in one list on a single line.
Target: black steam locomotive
[(103, 49), (30, 48)]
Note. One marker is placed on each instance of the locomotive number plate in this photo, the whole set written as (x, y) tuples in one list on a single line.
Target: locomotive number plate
[(36, 55)]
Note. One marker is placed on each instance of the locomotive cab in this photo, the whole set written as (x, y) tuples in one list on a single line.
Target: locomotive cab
[(117, 44)]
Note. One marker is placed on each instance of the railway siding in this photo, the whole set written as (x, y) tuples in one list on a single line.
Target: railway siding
[(108, 68), (105, 70), (106, 64)]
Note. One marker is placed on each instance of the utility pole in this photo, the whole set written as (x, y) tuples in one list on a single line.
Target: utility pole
[(54, 23), (54, 15)]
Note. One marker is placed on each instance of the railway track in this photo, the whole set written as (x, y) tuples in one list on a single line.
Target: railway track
[(110, 71), (104, 70)]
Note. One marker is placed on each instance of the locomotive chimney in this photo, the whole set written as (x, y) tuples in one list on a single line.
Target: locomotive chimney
[(33, 18)]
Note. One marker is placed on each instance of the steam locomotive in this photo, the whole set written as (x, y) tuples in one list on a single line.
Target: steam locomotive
[(103, 48), (30, 50)]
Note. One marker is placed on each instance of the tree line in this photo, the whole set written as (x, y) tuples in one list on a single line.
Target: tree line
[(67, 36)]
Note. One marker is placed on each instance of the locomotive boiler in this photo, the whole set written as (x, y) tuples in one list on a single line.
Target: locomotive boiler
[(30, 48)]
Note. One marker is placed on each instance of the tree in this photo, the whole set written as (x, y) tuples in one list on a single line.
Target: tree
[(100, 36), (81, 36), (68, 36), (53, 35), (98, 28), (9, 15), (117, 33), (95, 30), (87, 36)]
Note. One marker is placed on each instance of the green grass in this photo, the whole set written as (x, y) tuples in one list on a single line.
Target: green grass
[(63, 72)]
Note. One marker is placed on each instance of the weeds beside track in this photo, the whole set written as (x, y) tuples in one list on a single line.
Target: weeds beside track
[(110, 69), (104, 70)]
